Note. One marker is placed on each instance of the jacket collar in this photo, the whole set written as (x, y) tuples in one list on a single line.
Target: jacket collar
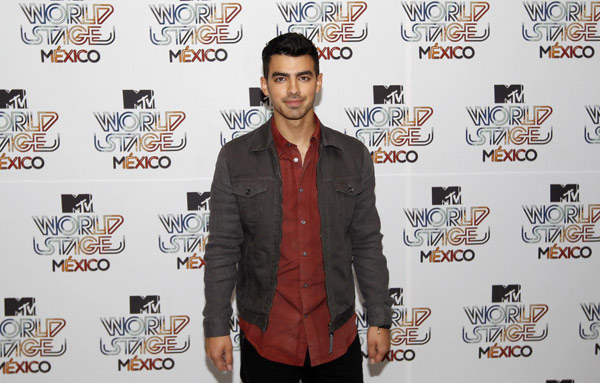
[(262, 138)]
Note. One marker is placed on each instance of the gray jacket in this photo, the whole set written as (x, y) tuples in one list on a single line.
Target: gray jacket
[(245, 231)]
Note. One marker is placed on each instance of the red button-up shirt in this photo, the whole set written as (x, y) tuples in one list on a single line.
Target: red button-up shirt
[(299, 318)]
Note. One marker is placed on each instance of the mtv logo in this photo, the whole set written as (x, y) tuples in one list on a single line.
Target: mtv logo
[(509, 94), (508, 293), (397, 294), (564, 193), (560, 381), (446, 195), (258, 98), (138, 99), (234, 323), (80, 203), (384, 94), (19, 306), (197, 201), (149, 304), (13, 99)]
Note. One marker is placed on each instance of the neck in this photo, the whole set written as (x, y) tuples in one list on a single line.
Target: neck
[(297, 132)]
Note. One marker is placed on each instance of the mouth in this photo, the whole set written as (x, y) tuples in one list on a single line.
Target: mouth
[(295, 102)]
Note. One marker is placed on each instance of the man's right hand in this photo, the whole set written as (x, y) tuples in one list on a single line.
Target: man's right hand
[(220, 351)]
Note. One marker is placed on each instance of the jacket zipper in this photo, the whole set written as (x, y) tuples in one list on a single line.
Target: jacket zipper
[(330, 337)]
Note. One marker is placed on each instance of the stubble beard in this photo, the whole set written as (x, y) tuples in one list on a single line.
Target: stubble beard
[(294, 113)]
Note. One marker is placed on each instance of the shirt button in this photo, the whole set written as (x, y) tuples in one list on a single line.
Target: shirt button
[(296, 159), (303, 222), (304, 253), (306, 315), (301, 190), (306, 285)]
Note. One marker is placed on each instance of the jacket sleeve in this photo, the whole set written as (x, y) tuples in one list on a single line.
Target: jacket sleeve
[(369, 262), (223, 251)]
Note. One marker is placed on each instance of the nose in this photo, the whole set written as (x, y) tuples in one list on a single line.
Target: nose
[(293, 86)]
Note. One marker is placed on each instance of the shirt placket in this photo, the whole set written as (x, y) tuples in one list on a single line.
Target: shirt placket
[(302, 245), (303, 233)]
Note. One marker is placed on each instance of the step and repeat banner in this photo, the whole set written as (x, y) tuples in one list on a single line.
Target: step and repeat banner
[(482, 117)]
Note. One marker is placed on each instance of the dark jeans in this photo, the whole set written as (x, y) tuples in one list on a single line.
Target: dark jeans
[(345, 369)]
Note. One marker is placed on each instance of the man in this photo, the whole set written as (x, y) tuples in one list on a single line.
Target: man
[(292, 210)]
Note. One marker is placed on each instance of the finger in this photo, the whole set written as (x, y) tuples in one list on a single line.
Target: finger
[(215, 361), (217, 358), (382, 350)]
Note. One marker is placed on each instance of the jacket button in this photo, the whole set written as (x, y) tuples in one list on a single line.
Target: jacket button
[(350, 189), (248, 191)]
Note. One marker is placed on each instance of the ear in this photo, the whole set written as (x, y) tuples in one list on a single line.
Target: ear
[(263, 86), (319, 82)]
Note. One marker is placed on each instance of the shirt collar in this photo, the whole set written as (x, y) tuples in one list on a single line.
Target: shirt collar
[(280, 141)]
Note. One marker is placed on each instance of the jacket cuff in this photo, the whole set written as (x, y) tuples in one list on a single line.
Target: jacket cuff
[(213, 328), (379, 315)]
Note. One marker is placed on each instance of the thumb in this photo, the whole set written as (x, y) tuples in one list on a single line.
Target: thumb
[(372, 349), (228, 356)]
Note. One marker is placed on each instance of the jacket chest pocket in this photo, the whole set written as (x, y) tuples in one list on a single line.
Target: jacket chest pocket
[(346, 191), (250, 196)]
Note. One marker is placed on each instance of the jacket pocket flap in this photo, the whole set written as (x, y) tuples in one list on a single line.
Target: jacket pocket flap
[(349, 186), (248, 188)]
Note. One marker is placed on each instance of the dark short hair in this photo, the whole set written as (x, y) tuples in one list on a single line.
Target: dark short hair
[(289, 44)]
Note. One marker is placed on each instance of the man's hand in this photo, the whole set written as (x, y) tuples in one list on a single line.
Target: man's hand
[(220, 351), (378, 343)]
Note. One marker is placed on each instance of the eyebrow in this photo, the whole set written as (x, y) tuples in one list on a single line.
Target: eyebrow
[(282, 74)]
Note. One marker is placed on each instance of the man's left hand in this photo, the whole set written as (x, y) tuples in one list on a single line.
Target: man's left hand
[(378, 343)]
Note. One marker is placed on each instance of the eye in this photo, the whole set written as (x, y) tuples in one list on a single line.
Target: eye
[(279, 79)]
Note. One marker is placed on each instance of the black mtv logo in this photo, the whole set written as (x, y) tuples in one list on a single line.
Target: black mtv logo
[(80, 203), (397, 294), (13, 99), (560, 381), (392, 94), (150, 304), (446, 196), (138, 99), (258, 98), (19, 306), (509, 94), (564, 193), (197, 201), (508, 293)]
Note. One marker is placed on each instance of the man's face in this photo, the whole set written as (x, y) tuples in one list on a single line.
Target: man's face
[(292, 85)]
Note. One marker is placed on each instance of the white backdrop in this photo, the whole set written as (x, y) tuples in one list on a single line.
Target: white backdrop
[(484, 123)]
